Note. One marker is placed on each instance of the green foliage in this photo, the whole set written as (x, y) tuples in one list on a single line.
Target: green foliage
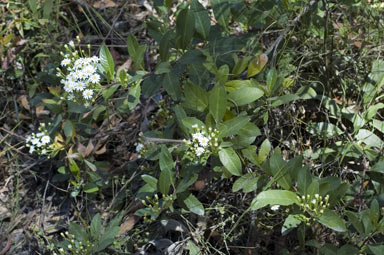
[(218, 110)]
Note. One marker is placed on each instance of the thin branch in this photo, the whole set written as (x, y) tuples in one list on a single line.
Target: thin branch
[(276, 43)]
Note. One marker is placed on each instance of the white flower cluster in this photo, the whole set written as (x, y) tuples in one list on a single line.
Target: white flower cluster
[(314, 205), (204, 142), (82, 79), (39, 142), (74, 246)]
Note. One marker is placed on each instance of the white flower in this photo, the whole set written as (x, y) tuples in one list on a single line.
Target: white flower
[(67, 86), (72, 44), (31, 149), (95, 78), (65, 62), (46, 139), (35, 141), (71, 78), (28, 139), (199, 151), (87, 94), (43, 151), (204, 141), (40, 134), (89, 70), (77, 74), (139, 147), (197, 136), (80, 86), (78, 63), (72, 86), (316, 195), (313, 201), (95, 59), (195, 126), (275, 207)]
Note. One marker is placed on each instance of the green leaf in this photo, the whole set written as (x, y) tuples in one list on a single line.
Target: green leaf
[(164, 47), (257, 64), (69, 129), (171, 84), (265, 148), (378, 124), (222, 11), (369, 138), (108, 93), (188, 122), (356, 223), (185, 28), (304, 179), (245, 95), (232, 126), (136, 52), (96, 226), (271, 79), (193, 249), (217, 102), (331, 220), (166, 161), (372, 111), (165, 182), (325, 129), (247, 183), (222, 74), (134, 95), (180, 115), (151, 181), (106, 61), (108, 238), (76, 230), (376, 249), (230, 161), (274, 197), (90, 165), (166, 166), (196, 98), (290, 223), (194, 205), (47, 8), (246, 135), (284, 99), (202, 20), (90, 187), (97, 111), (76, 108), (163, 67), (280, 171), (240, 65), (33, 6), (348, 249)]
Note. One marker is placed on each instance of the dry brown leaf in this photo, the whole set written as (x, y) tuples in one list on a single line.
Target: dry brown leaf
[(81, 148), (104, 4), (102, 150), (126, 66), (128, 224), (24, 102), (24, 117), (89, 148), (40, 111)]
